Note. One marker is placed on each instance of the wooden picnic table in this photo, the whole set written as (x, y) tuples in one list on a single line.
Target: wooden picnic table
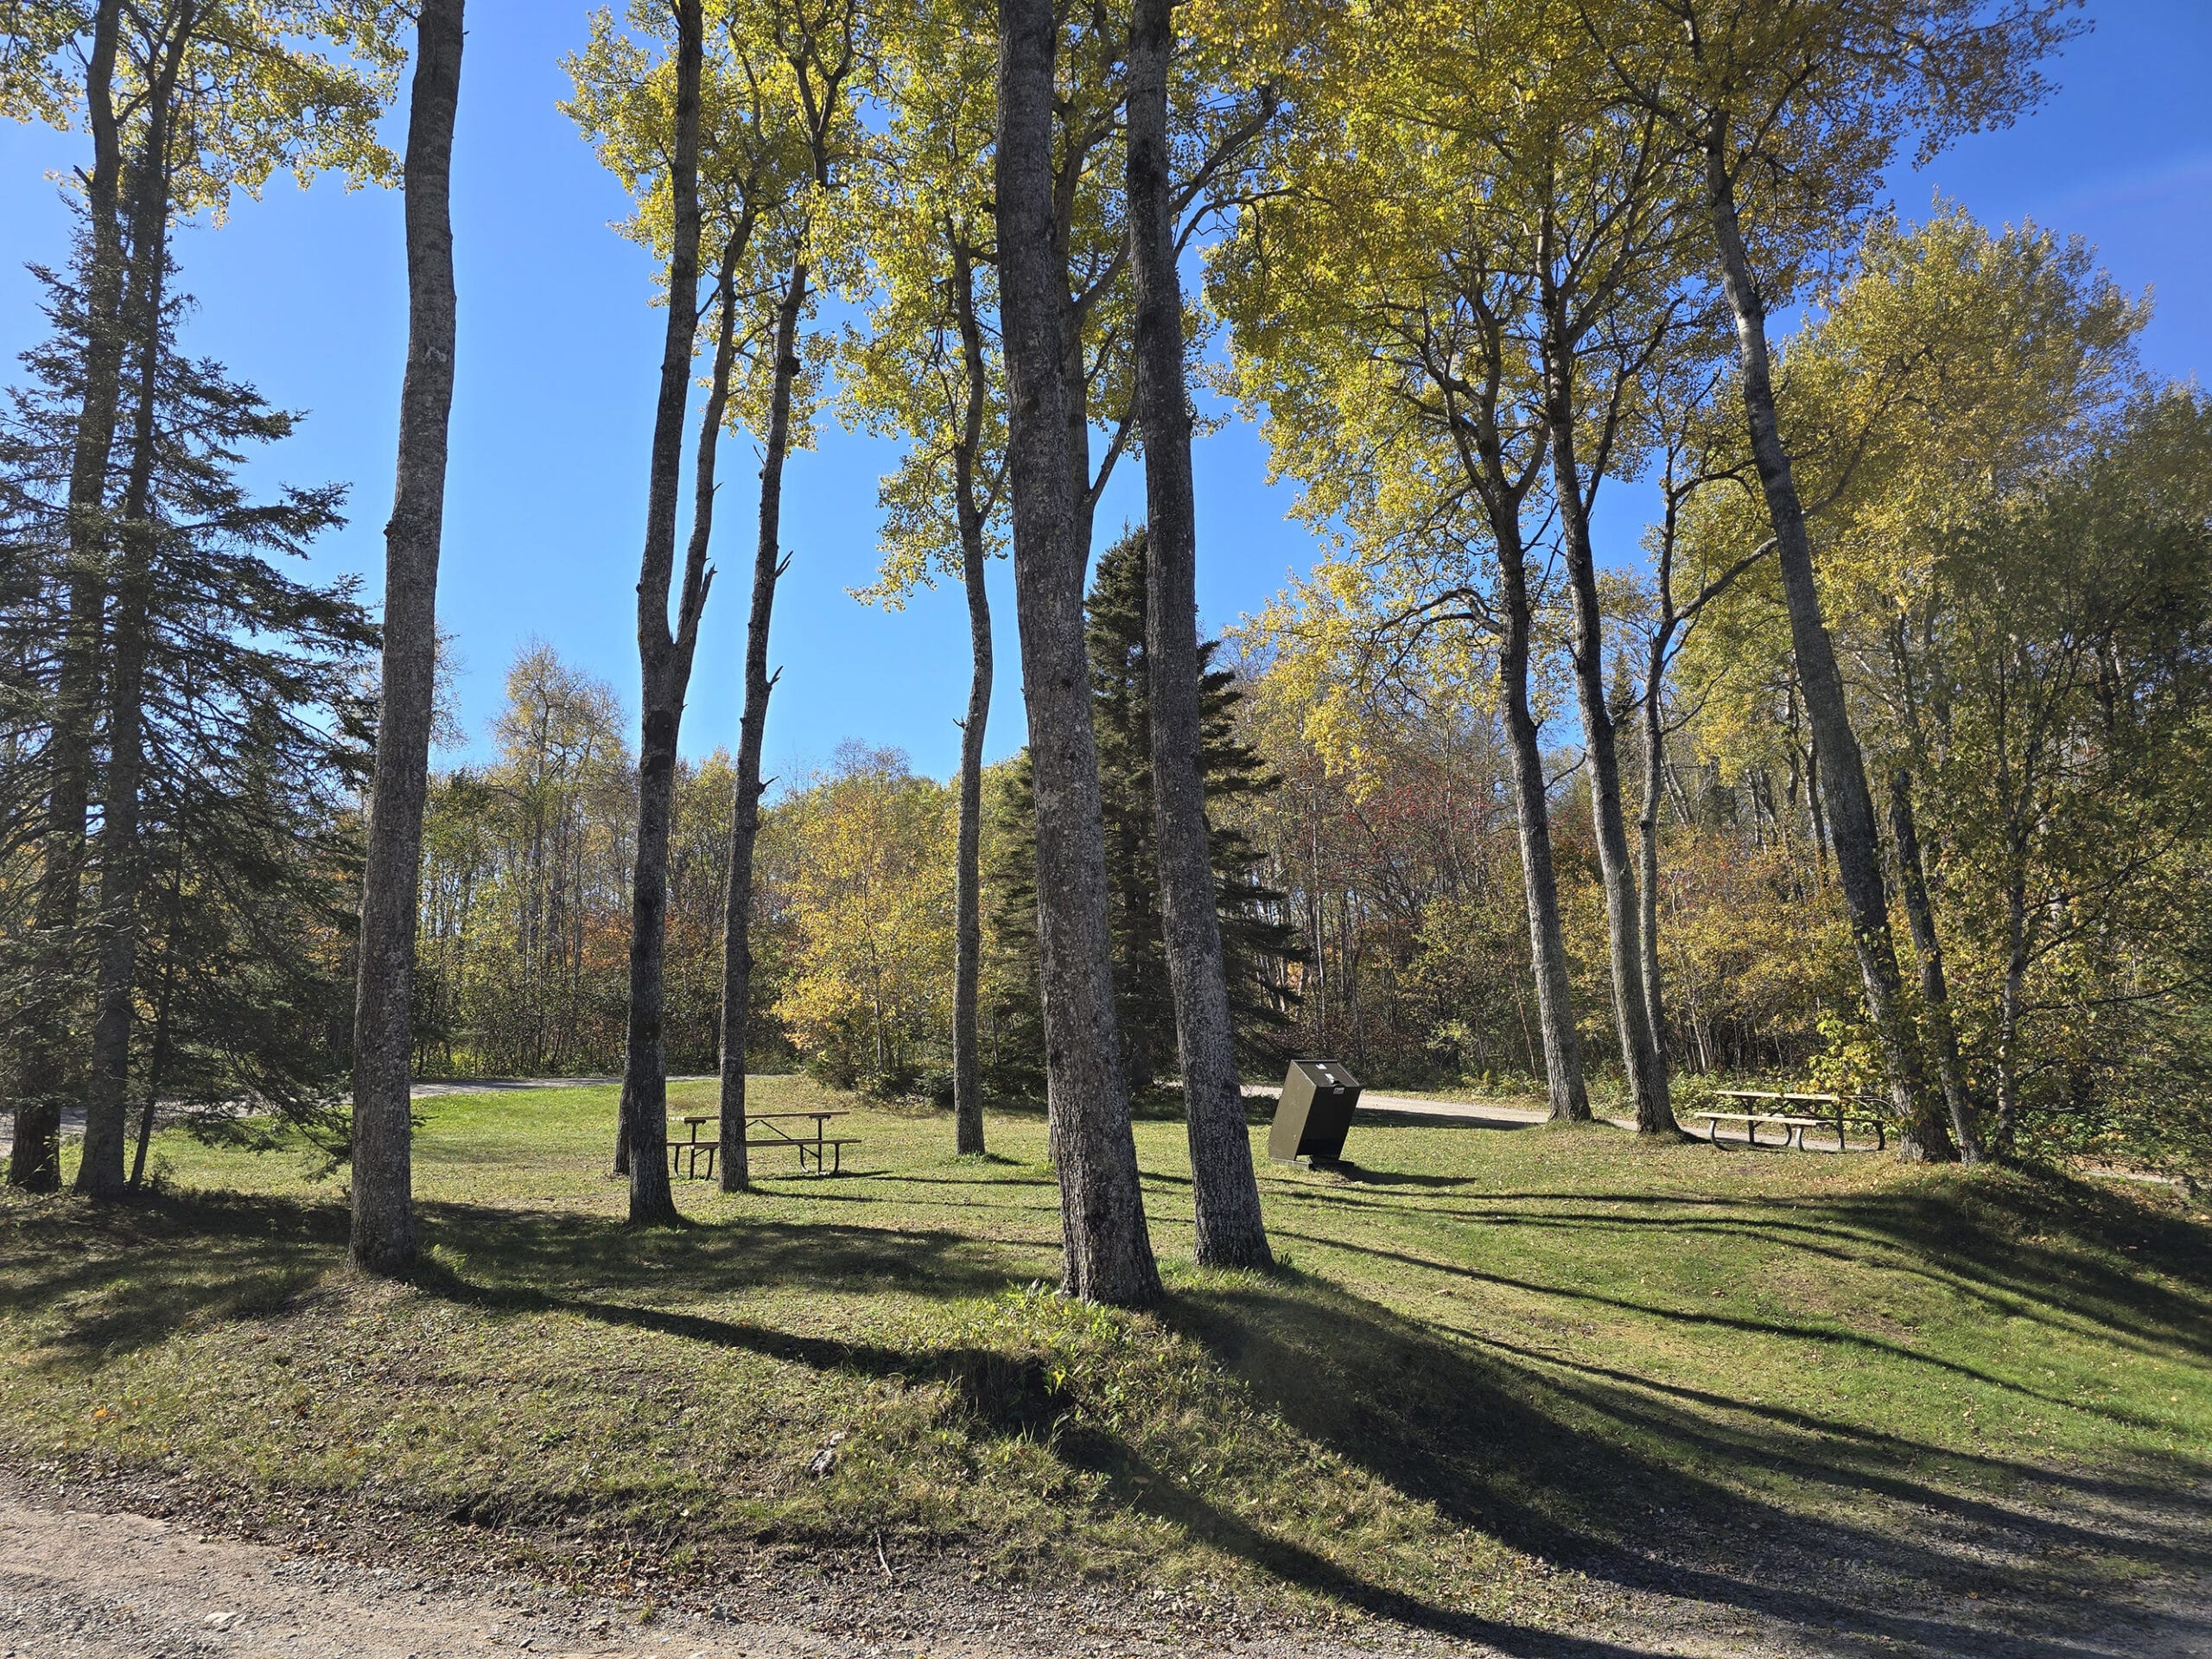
[(825, 1151), (1833, 1112)]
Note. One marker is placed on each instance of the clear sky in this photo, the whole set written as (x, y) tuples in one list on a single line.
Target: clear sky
[(304, 294)]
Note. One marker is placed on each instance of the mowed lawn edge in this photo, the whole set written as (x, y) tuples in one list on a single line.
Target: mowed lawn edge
[(1502, 1375)]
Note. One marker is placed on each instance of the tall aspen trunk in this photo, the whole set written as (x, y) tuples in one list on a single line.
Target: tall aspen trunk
[(745, 804), (702, 517), (1108, 1249), (1640, 1059), (968, 921), (1647, 922), (1563, 1084), (1230, 1231), (383, 1232), (34, 1162), (664, 658), (2007, 1058), (623, 1133), (1935, 992), (1850, 807), (100, 1174)]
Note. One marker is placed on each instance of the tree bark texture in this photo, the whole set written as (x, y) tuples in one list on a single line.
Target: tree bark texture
[(2006, 1058), (1641, 1061), (1230, 1231), (1850, 807), (383, 1237), (1653, 712), (752, 725), (100, 1172), (1108, 1249), (664, 658), (968, 921), (622, 1132), (34, 1162), (158, 1062), (1935, 991), (1563, 1084)]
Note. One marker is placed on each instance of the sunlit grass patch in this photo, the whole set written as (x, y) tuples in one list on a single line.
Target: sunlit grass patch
[(1490, 1355)]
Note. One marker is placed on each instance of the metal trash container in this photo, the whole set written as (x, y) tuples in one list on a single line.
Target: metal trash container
[(1314, 1112)]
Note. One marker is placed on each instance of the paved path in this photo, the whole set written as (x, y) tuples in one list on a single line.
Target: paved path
[(487, 1086), (1491, 1113)]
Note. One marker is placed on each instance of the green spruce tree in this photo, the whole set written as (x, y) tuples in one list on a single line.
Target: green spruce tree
[(1256, 943), (253, 726)]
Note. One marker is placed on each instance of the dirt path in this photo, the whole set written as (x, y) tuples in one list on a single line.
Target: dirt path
[(93, 1583), (90, 1584)]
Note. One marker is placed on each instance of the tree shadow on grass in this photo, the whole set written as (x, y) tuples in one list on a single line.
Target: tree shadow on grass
[(98, 1281), (1988, 1240), (1574, 1465), (1624, 1480), (109, 1281), (1631, 1481), (509, 1252)]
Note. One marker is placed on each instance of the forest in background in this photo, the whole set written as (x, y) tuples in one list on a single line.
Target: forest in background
[(1997, 524), (2028, 662), (2021, 579)]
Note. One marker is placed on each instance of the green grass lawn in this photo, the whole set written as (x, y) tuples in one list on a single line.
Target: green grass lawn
[(1505, 1378)]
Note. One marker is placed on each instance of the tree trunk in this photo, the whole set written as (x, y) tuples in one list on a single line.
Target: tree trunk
[(2008, 1005), (99, 1174), (1229, 1232), (968, 926), (1640, 1059), (968, 964), (622, 1131), (744, 807), (1654, 760), (383, 1238), (702, 523), (1570, 1099), (663, 659), (1108, 1249), (1935, 993), (157, 1063), (1843, 778), (34, 1162)]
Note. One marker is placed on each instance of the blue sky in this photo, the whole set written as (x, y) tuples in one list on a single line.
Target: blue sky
[(304, 294)]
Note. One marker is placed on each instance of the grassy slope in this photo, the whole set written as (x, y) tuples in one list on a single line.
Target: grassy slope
[(1492, 1353)]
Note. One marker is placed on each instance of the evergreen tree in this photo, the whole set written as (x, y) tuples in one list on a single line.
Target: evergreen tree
[(1255, 942), (254, 734)]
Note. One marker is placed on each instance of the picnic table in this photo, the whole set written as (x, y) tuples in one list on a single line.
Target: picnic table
[(1835, 1112), (824, 1151)]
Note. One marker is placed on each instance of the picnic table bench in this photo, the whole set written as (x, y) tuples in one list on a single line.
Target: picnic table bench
[(825, 1152), (1835, 1112)]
